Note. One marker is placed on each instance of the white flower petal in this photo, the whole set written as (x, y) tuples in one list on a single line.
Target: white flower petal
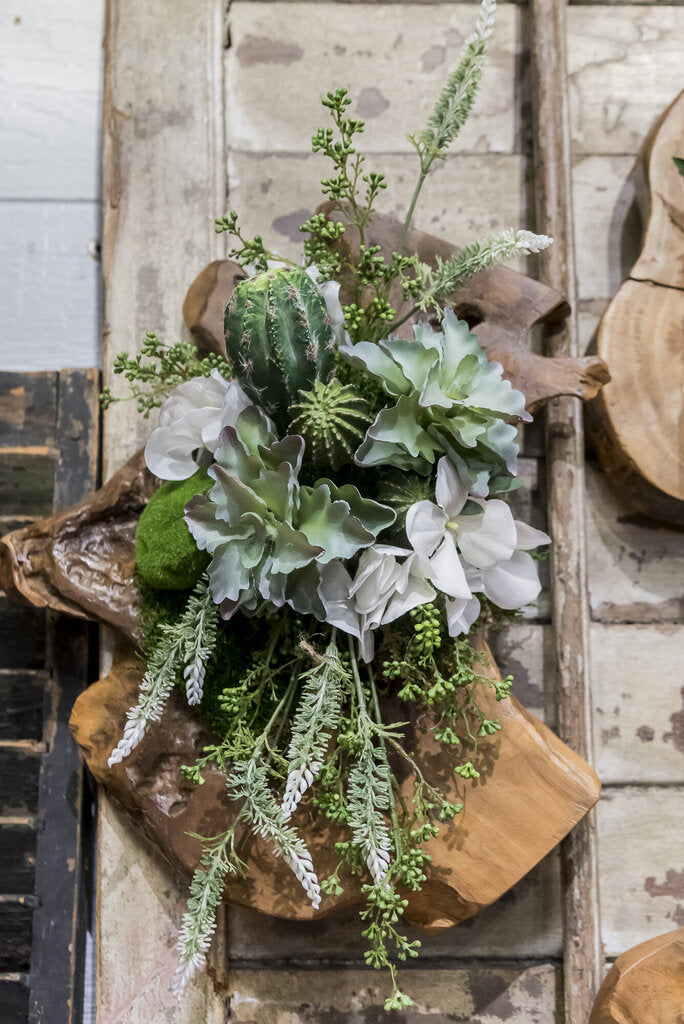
[(450, 490), (168, 452), (461, 613), (488, 538), (334, 592), (414, 590), (425, 525), (446, 570), (529, 538), (513, 583)]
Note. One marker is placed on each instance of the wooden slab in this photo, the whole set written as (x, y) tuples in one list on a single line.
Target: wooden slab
[(638, 422), (644, 984), (537, 778)]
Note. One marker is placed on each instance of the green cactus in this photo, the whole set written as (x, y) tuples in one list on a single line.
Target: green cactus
[(332, 419), (278, 337)]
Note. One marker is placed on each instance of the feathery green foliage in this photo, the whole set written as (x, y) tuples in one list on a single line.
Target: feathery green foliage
[(157, 369), (314, 723), (175, 652)]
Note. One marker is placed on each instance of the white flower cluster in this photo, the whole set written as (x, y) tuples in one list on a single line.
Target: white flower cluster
[(461, 545)]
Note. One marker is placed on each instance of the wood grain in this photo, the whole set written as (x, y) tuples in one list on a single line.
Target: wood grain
[(638, 424), (570, 614), (163, 183), (526, 772), (645, 983)]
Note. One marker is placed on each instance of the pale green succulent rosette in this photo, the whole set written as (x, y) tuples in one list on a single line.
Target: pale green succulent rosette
[(267, 533), (450, 400)]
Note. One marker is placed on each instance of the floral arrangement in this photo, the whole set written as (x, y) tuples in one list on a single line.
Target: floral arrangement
[(342, 491)]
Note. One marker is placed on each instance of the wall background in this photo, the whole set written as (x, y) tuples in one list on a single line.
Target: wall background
[(50, 109)]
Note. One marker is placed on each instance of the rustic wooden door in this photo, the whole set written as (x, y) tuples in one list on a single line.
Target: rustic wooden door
[(210, 106)]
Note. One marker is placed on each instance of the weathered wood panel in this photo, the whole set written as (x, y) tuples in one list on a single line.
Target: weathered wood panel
[(48, 294), (163, 183), (525, 922), (21, 699), (15, 933), (624, 67), (275, 193), (28, 409), (638, 697), (50, 59), (393, 59), (641, 838), (479, 994)]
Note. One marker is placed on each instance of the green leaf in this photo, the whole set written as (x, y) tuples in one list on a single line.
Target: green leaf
[(679, 163), (330, 524)]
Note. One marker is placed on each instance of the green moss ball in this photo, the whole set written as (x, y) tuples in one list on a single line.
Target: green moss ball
[(167, 556)]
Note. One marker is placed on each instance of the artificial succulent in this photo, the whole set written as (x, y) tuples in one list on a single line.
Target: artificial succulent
[(332, 419), (263, 528), (449, 399)]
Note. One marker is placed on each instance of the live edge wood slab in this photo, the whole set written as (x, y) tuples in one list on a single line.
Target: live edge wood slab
[(533, 789), (645, 985), (637, 423)]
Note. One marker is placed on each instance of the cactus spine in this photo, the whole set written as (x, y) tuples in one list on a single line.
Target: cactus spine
[(332, 419), (278, 337)]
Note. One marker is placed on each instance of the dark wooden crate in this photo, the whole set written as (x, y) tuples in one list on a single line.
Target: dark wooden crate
[(49, 449)]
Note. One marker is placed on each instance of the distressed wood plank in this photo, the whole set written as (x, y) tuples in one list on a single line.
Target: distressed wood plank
[(164, 182), (275, 193), (608, 221), (22, 636), (638, 697), (394, 66), (19, 771), (582, 953), (17, 858), (50, 68), (48, 250), (28, 409), (476, 993), (27, 480), (636, 566), (524, 923), (21, 699), (624, 67), (15, 934), (641, 837)]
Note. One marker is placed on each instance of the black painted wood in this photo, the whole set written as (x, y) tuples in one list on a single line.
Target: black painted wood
[(17, 858), (19, 771), (59, 923), (14, 994), (48, 458), (16, 919), (21, 700), (22, 635), (28, 409)]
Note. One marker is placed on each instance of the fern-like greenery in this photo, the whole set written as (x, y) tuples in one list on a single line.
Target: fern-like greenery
[(181, 650), (314, 723)]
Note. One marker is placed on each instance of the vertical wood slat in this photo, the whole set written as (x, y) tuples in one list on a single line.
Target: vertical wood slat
[(59, 920), (163, 185), (583, 958)]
